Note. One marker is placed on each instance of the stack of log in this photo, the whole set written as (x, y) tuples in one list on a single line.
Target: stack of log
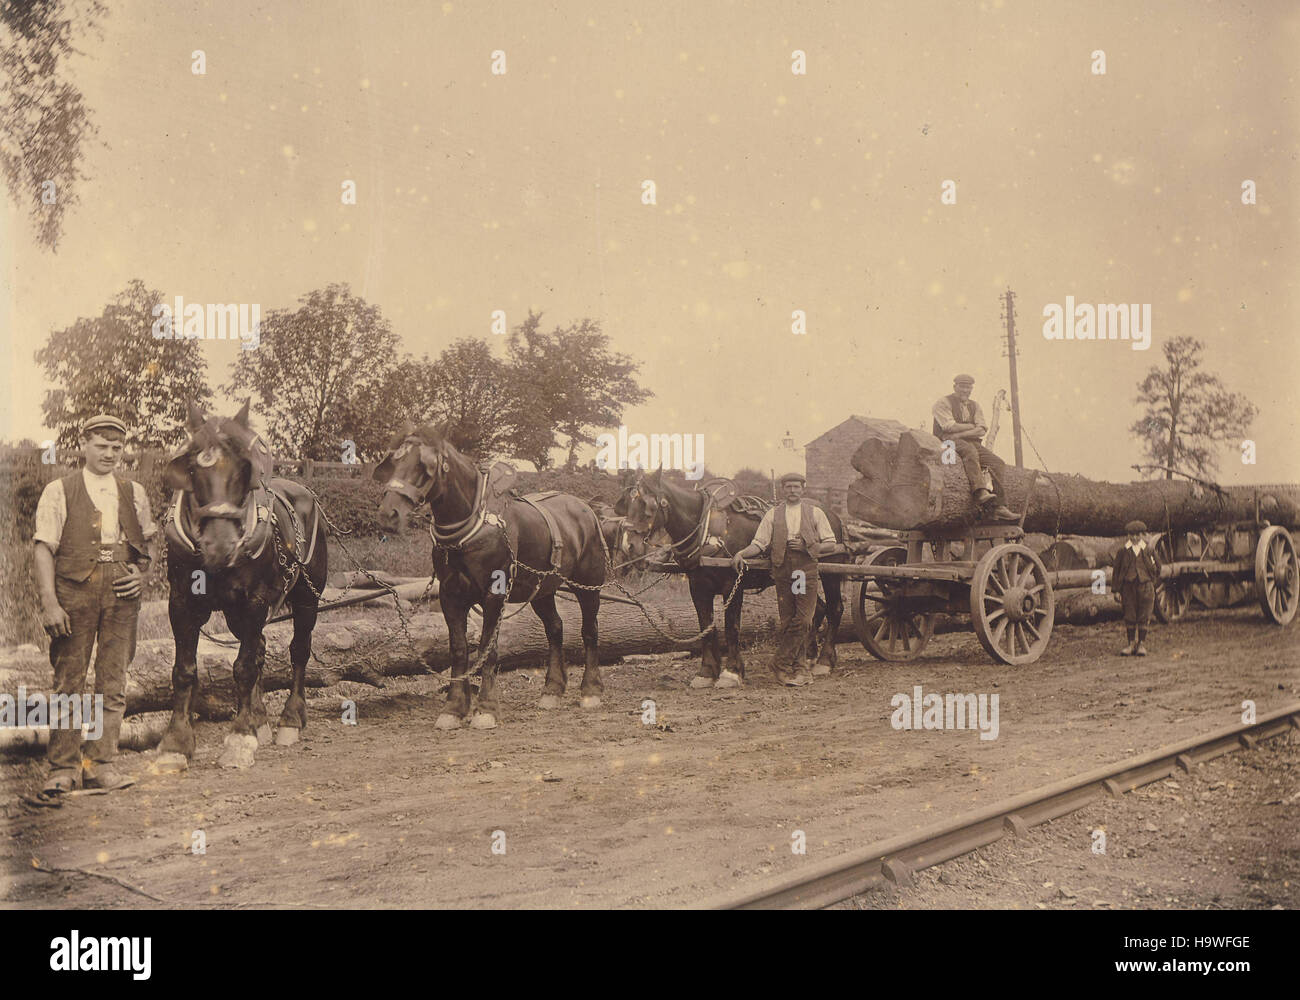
[(905, 484)]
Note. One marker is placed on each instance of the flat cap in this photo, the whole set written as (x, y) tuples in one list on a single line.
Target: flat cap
[(968, 379), (793, 477), (103, 420), (1135, 528)]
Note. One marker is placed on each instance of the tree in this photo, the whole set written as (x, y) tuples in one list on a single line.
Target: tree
[(44, 122), (113, 364), (566, 381), (465, 390), (1189, 412), (319, 372), (753, 482)]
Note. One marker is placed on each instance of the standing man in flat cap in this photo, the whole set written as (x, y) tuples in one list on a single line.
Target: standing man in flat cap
[(92, 551), (797, 532), (1134, 576), (959, 419)]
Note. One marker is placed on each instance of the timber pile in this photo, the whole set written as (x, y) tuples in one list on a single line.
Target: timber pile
[(905, 484), (370, 650)]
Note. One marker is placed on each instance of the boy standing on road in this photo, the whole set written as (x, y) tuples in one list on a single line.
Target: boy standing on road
[(1136, 573), (92, 551)]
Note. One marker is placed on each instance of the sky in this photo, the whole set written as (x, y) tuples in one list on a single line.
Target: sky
[(775, 192)]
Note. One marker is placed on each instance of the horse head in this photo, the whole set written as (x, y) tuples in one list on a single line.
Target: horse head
[(219, 468), (647, 503), (420, 466)]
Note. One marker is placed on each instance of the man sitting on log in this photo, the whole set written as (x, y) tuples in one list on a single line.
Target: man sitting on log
[(959, 419)]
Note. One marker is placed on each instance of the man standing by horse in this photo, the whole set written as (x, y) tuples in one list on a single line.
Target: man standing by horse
[(796, 532), (92, 550)]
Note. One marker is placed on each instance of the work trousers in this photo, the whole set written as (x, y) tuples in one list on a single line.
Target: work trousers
[(1138, 599), (795, 610), (99, 619), (975, 457)]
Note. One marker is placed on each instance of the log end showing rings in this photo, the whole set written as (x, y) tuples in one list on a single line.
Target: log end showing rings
[(1277, 577), (1012, 604), (888, 628)]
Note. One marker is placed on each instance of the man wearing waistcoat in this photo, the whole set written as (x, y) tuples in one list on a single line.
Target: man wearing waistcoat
[(92, 550), (1134, 577), (797, 533), (959, 419)]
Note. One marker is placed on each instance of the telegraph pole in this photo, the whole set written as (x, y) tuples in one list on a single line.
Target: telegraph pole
[(1009, 314)]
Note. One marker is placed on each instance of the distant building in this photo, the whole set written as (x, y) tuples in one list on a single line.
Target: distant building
[(828, 458)]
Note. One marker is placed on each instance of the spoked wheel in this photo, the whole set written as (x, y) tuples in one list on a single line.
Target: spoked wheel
[(1172, 596), (1277, 577), (1011, 604), (887, 627)]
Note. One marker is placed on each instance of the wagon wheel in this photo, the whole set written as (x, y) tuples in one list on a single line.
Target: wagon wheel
[(1011, 604), (886, 626), (1277, 577), (1172, 596)]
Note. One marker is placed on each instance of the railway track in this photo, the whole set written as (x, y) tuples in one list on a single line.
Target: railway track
[(894, 860)]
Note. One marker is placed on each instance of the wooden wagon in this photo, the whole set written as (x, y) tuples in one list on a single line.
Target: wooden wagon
[(987, 572)]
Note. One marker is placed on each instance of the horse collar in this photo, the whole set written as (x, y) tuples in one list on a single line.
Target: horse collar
[(455, 535)]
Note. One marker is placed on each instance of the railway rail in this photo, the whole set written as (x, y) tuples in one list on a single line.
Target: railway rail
[(896, 859)]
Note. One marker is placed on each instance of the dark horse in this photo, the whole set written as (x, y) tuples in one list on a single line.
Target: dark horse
[(492, 547), (241, 543), (697, 529)]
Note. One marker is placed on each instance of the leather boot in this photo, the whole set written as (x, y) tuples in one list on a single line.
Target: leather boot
[(1132, 644)]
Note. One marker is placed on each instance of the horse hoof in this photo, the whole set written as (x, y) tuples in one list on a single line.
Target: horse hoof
[(590, 701), (286, 736), (170, 763), (263, 734), (701, 682), (483, 720), (241, 750), (727, 679), (548, 702), (447, 721), (821, 669)]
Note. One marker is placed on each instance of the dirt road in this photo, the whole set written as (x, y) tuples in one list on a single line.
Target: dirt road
[(597, 808)]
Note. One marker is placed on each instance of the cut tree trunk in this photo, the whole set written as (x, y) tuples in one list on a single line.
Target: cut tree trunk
[(371, 649), (906, 484)]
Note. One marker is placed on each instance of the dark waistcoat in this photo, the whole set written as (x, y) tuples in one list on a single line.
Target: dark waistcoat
[(807, 532), (959, 414), (79, 544), (1130, 568)]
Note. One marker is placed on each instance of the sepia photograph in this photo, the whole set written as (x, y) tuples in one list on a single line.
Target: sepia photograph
[(489, 455)]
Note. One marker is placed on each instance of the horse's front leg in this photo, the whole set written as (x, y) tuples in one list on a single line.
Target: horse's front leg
[(828, 658), (294, 717), (702, 595), (249, 726), (455, 609), (733, 675), (557, 677), (485, 716), (593, 686), (176, 749)]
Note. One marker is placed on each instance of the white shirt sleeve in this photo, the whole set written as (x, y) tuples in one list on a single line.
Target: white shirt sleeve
[(142, 512), (823, 523), (51, 513), (763, 536)]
